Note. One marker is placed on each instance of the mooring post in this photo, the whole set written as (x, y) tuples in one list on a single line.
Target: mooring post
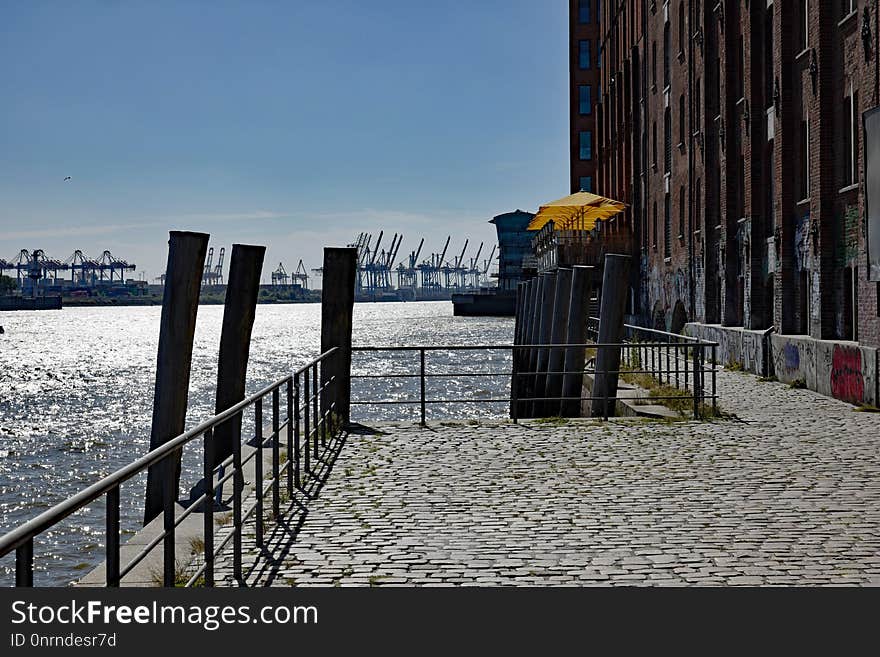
[(615, 283), (522, 383), (576, 333), (544, 333), (534, 335), (337, 310), (239, 310), (180, 302), (558, 333), (517, 340)]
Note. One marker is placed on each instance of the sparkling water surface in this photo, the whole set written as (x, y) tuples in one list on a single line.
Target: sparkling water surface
[(76, 397)]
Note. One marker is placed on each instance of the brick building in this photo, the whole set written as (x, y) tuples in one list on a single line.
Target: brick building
[(733, 131), (584, 81)]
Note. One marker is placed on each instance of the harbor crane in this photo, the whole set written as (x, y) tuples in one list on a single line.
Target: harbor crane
[(280, 276), (300, 276)]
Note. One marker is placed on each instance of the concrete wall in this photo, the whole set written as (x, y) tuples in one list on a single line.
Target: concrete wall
[(843, 370)]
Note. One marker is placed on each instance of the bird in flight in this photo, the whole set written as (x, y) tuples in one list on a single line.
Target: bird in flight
[(67, 178)]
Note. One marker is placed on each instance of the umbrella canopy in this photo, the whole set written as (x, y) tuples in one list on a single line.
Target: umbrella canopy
[(578, 211)]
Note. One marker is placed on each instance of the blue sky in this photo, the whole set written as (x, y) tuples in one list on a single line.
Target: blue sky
[(292, 124)]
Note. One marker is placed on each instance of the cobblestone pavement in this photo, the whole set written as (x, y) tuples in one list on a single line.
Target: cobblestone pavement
[(787, 493)]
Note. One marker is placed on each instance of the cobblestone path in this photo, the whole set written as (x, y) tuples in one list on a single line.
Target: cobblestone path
[(787, 493)]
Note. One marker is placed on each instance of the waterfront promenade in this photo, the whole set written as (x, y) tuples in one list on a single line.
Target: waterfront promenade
[(786, 492)]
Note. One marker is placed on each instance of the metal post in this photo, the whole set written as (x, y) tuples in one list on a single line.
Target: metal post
[(292, 457), (208, 505), (276, 457), (169, 557), (696, 384), (237, 488), (112, 550), (296, 437), (714, 394), (258, 470), (307, 440), (317, 419), (422, 384), (24, 564), (615, 284), (183, 280)]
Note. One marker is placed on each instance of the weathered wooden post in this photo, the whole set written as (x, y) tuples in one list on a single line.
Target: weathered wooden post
[(558, 334), (180, 302), (535, 332), (615, 283), (549, 296), (337, 310), (523, 384), (576, 333), (242, 291), (517, 340)]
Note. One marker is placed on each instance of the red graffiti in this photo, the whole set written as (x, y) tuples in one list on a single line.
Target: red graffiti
[(847, 382)]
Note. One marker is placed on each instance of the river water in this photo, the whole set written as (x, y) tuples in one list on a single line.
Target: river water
[(76, 395)]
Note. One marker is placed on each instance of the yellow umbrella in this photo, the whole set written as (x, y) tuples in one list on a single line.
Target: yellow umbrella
[(578, 211)]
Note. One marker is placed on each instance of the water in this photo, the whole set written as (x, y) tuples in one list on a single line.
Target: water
[(76, 395)]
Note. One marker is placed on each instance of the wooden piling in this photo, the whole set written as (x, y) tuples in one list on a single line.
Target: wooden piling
[(337, 310), (523, 382), (615, 285), (576, 333), (535, 332), (239, 310), (180, 302), (546, 328), (558, 333), (517, 340)]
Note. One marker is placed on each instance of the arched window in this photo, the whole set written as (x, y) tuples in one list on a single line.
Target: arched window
[(682, 37), (667, 46), (667, 141), (681, 122)]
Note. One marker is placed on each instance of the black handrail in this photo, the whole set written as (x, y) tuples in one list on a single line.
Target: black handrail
[(21, 539)]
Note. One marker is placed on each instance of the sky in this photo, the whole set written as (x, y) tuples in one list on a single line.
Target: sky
[(294, 124)]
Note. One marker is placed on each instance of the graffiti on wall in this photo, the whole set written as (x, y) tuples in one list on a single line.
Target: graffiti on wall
[(847, 381), (802, 241), (847, 236)]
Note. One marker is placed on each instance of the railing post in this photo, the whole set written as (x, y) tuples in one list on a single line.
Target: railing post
[(514, 384), (24, 564), (297, 481), (169, 557), (307, 433), (237, 487), (422, 384), (714, 393), (292, 457), (318, 420), (112, 542), (258, 471), (696, 382), (208, 505), (276, 484)]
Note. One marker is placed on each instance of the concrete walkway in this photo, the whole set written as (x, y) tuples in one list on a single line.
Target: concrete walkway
[(787, 493)]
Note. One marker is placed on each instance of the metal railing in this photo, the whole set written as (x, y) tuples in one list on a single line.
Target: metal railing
[(527, 396), (310, 420)]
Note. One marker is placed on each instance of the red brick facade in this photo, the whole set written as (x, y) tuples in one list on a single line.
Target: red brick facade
[(733, 130)]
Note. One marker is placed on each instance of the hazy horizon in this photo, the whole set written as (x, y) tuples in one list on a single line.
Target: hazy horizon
[(293, 126)]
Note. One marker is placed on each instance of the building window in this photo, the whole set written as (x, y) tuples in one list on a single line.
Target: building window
[(667, 226), (586, 139), (847, 7), (584, 54), (804, 168), (681, 206), (804, 25), (586, 183), (583, 11), (666, 48), (585, 94), (667, 141), (681, 29), (850, 136), (654, 227), (681, 117), (654, 144), (654, 64)]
